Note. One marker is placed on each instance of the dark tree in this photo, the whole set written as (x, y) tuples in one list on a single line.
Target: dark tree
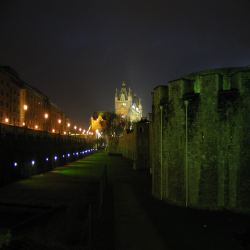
[(114, 125)]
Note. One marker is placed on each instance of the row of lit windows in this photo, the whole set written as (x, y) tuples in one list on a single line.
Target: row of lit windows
[(35, 115), (33, 99), (35, 107)]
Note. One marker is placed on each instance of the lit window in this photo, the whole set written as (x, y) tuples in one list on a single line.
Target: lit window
[(124, 104)]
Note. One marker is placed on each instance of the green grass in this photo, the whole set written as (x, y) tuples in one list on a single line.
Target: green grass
[(90, 168)]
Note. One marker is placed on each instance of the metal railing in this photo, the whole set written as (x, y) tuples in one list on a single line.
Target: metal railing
[(94, 214)]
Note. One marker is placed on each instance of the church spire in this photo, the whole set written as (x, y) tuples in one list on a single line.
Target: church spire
[(123, 84)]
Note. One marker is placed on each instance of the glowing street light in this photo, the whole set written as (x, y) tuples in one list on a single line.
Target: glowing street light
[(25, 107), (6, 120)]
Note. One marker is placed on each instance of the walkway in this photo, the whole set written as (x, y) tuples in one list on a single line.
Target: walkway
[(132, 218)]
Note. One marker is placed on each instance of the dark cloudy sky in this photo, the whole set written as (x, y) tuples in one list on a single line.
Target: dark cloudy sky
[(79, 52)]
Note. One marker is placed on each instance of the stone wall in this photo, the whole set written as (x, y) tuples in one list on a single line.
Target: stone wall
[(21, 146), (133, 145), (218, 140)]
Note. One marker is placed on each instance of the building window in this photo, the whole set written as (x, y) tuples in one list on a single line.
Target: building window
[(14, 110), (1, 114), (18, 94), (1, 103), (2, 93), (14, 100), (2, 82), (18, 111), (7, 85), (7, 94), (7, 105), (141, 130), (124, 104), (18, 103), (14, 92)]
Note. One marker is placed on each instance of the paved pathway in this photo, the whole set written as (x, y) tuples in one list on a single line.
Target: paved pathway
[(132, 218)]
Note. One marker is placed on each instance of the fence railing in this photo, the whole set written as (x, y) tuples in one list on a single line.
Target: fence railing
[(94, 215), (24, 131)]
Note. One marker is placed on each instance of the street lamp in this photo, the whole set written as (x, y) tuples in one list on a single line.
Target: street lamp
[(46, 117), (60, 121), (75, 127), (25, 107)]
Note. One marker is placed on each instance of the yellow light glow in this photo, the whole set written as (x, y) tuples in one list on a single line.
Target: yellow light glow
[(36, 127), (59, 121), (68, 124), (25, 107), (46, 116), (75, 127), (6, 119), (64, 132), (23, 123), (53, 131), (80, 129)]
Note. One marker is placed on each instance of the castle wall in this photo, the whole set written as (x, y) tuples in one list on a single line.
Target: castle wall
[(218, 140), (133, 145)]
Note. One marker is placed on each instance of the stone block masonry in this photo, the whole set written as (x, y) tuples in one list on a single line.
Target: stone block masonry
[(217, 174)]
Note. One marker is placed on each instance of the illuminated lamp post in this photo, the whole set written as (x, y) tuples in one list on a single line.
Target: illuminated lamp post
[(6, 120), (75, 127), (80, 129), (45, 121), (25, 107), (60, 121), (68, 125)]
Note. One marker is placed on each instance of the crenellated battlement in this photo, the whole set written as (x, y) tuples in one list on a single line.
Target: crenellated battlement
[(211, 82), (211, 170)]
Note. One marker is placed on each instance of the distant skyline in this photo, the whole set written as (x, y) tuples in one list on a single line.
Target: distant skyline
[(78, 52)]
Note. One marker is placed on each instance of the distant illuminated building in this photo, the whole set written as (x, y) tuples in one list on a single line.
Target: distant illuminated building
[(127, 105)]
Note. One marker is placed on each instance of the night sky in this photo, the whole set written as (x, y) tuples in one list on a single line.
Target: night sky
[(78, 52)]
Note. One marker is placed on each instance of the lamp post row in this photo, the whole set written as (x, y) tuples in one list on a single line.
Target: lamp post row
[(45, 125)]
